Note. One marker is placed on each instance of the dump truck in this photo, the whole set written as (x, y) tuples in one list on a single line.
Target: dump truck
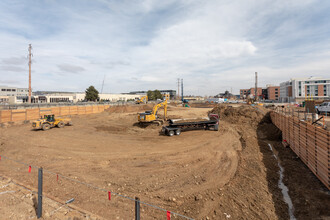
[(49, 121), (176, 126)]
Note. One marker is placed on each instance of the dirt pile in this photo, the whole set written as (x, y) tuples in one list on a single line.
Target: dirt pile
[(242, 114)]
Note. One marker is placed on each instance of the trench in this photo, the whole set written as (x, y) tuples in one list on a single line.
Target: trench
[(282, 186)]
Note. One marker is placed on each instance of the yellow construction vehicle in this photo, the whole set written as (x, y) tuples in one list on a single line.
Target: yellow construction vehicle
[(166, 97), (49, 121), (143, 99), (152, 116)]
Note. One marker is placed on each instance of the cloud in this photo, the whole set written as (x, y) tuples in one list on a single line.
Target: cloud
[(139, 45), (15, 60), (12, 68), (70, 68)]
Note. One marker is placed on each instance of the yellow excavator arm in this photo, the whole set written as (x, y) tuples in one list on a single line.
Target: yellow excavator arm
[(159, 105), (143, 99), (151, 116)]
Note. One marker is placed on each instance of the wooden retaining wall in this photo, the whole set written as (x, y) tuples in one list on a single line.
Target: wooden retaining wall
[(309, 142), (35, 113)]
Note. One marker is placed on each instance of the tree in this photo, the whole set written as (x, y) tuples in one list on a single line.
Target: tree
[(154, 95), (150, 95), (157, 94), (91, 94)]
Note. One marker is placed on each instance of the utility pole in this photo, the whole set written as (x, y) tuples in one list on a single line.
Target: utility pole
[(102, 84), (178, 89), (256, 88), (182, 89), (30, 56)]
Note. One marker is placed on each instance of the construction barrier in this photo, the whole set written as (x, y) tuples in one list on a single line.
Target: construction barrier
[(310, 143), (33, 114)]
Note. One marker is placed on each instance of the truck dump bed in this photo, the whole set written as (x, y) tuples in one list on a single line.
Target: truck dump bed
[(182, 122)]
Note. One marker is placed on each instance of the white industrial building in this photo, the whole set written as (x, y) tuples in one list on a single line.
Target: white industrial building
[(13, 94)]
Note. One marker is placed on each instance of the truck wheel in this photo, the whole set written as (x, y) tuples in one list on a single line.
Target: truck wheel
[(178, 132), (216, 127), (60, 124), (170, 133), (45, 127)]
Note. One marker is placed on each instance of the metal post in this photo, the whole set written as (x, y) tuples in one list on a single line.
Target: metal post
[(137, 208), (39, 209)]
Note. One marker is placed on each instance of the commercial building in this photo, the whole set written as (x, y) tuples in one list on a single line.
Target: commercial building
[(245, 93), (13, 91), (172, 93), (13, 94), (4, 99), (298, 89), (273, 92)]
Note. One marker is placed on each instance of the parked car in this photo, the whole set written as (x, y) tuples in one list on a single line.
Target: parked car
[(323, 108)]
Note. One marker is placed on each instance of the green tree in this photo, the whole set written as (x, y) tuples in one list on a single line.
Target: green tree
[(157, 94), (91, 94), (150, 95)]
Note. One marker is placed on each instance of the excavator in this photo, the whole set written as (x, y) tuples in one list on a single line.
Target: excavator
[(166, 97), (143, 99), (152, 116)]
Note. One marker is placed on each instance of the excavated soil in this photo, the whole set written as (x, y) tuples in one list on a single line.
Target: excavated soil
[(202, 174)]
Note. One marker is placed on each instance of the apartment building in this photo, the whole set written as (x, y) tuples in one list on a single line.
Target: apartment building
[(298, 89), (273, 92), (245, 93)]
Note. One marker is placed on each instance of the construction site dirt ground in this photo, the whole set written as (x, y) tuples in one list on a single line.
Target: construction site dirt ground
[(202, 174)]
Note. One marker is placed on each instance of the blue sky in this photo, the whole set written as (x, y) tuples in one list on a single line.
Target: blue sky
[(213, 45)]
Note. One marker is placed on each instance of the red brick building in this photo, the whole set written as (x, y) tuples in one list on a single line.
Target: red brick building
[(273, 92), (244, 93)]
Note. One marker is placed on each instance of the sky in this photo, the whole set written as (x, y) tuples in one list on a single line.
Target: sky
[(213, 45)]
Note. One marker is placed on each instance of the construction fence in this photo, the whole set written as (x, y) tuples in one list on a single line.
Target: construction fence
[(311, 143), (35, 113)]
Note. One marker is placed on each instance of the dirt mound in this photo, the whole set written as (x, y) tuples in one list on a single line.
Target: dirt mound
[(202, 105), (242, 114), (129, 108)]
